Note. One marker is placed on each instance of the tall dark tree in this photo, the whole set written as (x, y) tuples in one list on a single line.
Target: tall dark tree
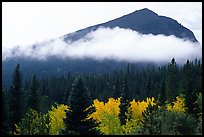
[(78, 101), (124, 102), (66, 95), (116, 90), (34, 97), (162, 94), (189, 87), (172, 81), (150, 125), (15, 98)]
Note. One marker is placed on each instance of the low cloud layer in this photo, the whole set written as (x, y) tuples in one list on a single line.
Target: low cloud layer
[(117, 43)]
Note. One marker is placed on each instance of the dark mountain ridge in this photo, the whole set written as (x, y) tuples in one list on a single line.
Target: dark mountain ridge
[(144, 21)]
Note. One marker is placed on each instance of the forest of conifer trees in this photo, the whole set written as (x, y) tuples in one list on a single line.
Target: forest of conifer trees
[(127, 101)]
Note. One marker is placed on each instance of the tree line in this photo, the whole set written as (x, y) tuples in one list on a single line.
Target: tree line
[(163, 83)]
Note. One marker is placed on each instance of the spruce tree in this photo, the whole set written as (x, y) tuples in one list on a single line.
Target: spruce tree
[(66, 95), (78, 101), (124, 102), (172, 81), (189, 88), (151, 124), (34, 99), (15, 98), (116, 90), (162, 94)]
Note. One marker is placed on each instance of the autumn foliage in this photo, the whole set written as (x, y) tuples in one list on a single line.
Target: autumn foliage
[(106, 115), (42, 124)]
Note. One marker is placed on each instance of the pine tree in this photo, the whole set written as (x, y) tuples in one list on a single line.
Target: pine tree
[(150, 124), (162, 94), (124, 102), (189, 88), (66, 95), (172, 81), (15, 98), (34, 98), (116, 91), (78, 101)]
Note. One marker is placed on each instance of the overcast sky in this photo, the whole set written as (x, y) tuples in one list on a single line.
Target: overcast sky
[(28, 22)]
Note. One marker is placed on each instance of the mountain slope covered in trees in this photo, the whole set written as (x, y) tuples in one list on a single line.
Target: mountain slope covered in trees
[(175, 91)]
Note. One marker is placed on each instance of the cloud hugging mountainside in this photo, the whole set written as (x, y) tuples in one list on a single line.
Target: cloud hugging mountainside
[(141, 36), (141, 25)]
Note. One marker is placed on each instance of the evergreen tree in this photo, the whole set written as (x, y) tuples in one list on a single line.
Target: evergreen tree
[(79, 102), (34, 98), (15, 98), (172, 81), (189, 88), (124, 102), (162, 94), (150, 124), (66, 95), (116, 91), (26, 85)]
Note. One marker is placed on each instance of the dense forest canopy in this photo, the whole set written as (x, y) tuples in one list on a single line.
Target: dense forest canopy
[(34, 97)]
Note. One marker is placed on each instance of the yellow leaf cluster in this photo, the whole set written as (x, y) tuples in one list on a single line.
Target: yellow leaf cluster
[(107, 115), (150, 101), (137, 108), (111, 108), (57, 115), (178, 105), (110, 125)]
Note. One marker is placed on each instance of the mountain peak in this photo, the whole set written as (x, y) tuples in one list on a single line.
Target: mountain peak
[(144, 21), (142, 13), (145, 11)]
